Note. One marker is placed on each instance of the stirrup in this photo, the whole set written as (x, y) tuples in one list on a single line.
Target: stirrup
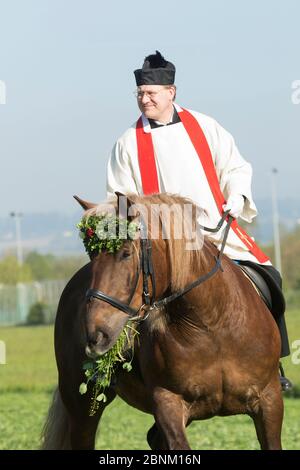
[(286, 384)]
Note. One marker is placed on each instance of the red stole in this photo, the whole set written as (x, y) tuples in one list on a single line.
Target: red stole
[(150, 180)]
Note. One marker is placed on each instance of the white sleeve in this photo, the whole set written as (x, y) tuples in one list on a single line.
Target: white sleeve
[(235, 174), (119, 172)]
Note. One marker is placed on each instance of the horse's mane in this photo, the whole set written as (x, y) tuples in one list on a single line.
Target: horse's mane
[(182, 258)]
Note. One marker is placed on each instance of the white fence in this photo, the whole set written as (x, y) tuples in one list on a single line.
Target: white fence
[(15, 301)]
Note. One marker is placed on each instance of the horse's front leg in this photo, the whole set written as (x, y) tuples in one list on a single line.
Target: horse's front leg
[(171, 417), (83, 427), (269, 415), (83, 431)]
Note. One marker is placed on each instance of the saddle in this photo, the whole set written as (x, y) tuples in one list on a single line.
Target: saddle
[(267, 286)]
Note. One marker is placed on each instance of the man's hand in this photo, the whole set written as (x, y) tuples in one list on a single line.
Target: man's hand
[(235, 205)]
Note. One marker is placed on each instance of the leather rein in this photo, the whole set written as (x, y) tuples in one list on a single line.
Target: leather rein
[(146, 267)]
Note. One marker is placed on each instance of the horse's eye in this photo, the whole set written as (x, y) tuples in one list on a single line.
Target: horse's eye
[(126, 254)]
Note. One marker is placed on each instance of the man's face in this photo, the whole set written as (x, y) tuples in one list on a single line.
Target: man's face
[(156, 101)]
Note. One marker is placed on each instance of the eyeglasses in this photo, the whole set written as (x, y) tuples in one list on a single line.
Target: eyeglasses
[(139, 94)]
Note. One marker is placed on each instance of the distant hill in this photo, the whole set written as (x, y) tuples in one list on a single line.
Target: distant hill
[(46, 233), (56, 233)]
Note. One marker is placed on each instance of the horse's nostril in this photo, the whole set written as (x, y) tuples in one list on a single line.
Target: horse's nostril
[(97, 338), (95, 344), (100, 336)]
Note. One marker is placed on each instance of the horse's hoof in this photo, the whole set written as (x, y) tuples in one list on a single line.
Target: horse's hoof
[(286, 384)]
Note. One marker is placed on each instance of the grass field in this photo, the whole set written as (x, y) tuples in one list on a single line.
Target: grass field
[(29, 377)]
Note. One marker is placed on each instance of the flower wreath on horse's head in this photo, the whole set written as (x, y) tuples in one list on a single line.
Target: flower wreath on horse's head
[(105, 232)]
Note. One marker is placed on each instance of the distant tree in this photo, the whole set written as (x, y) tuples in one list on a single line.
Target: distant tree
[(37, 314), (54, 267), (11, 272), (290, 249), (38, 267), (67, 266), (42, 266), (290, 258)]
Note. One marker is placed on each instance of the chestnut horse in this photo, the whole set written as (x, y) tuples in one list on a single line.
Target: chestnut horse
[(211, 351)]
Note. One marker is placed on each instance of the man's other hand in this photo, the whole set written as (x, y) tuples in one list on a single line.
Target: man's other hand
[(235, 205)]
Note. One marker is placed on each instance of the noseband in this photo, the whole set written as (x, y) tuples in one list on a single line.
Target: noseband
[(146, 266)]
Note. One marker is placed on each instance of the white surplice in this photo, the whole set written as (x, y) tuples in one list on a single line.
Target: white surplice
[(180, 172)]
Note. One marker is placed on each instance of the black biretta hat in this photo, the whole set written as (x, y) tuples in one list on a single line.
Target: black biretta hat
[(155, 71)]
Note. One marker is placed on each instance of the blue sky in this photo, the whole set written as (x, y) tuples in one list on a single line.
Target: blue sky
[(68, 69)]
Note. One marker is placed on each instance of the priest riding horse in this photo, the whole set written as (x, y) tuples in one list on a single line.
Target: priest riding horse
[(207, 344)]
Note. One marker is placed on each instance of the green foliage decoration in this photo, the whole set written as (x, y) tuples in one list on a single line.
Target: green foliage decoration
[(100, 372), (99, 233), (105, 232)]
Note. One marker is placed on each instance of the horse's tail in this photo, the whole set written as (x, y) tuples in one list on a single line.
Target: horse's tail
[(56, 431)]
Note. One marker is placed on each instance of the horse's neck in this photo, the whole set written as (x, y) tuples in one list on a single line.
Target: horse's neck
[(206, 305)]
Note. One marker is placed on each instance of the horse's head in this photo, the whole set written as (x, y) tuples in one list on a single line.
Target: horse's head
[(114, 275), (117, 291)]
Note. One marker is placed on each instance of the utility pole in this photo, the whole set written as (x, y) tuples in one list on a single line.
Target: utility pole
[(276, 222), (17, 216), (22, 301)]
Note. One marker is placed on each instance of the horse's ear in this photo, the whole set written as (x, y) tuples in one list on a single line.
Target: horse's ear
[(85, 204), (123, 205)]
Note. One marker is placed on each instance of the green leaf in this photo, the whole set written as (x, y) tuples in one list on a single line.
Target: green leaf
[(88, 365), (102, 397), (83, 388)]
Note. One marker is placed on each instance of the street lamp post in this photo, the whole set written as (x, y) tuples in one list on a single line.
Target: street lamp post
[(22, 301), (17, 216), (276, 222)]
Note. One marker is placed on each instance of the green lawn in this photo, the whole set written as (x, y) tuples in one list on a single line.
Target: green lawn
[(23, 415), (293, 370), (28, 378), (30, 363)]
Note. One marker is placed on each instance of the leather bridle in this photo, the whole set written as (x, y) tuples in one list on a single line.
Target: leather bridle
[(146, 267)]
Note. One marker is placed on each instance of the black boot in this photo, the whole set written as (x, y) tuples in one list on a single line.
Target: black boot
[(286, 384)]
